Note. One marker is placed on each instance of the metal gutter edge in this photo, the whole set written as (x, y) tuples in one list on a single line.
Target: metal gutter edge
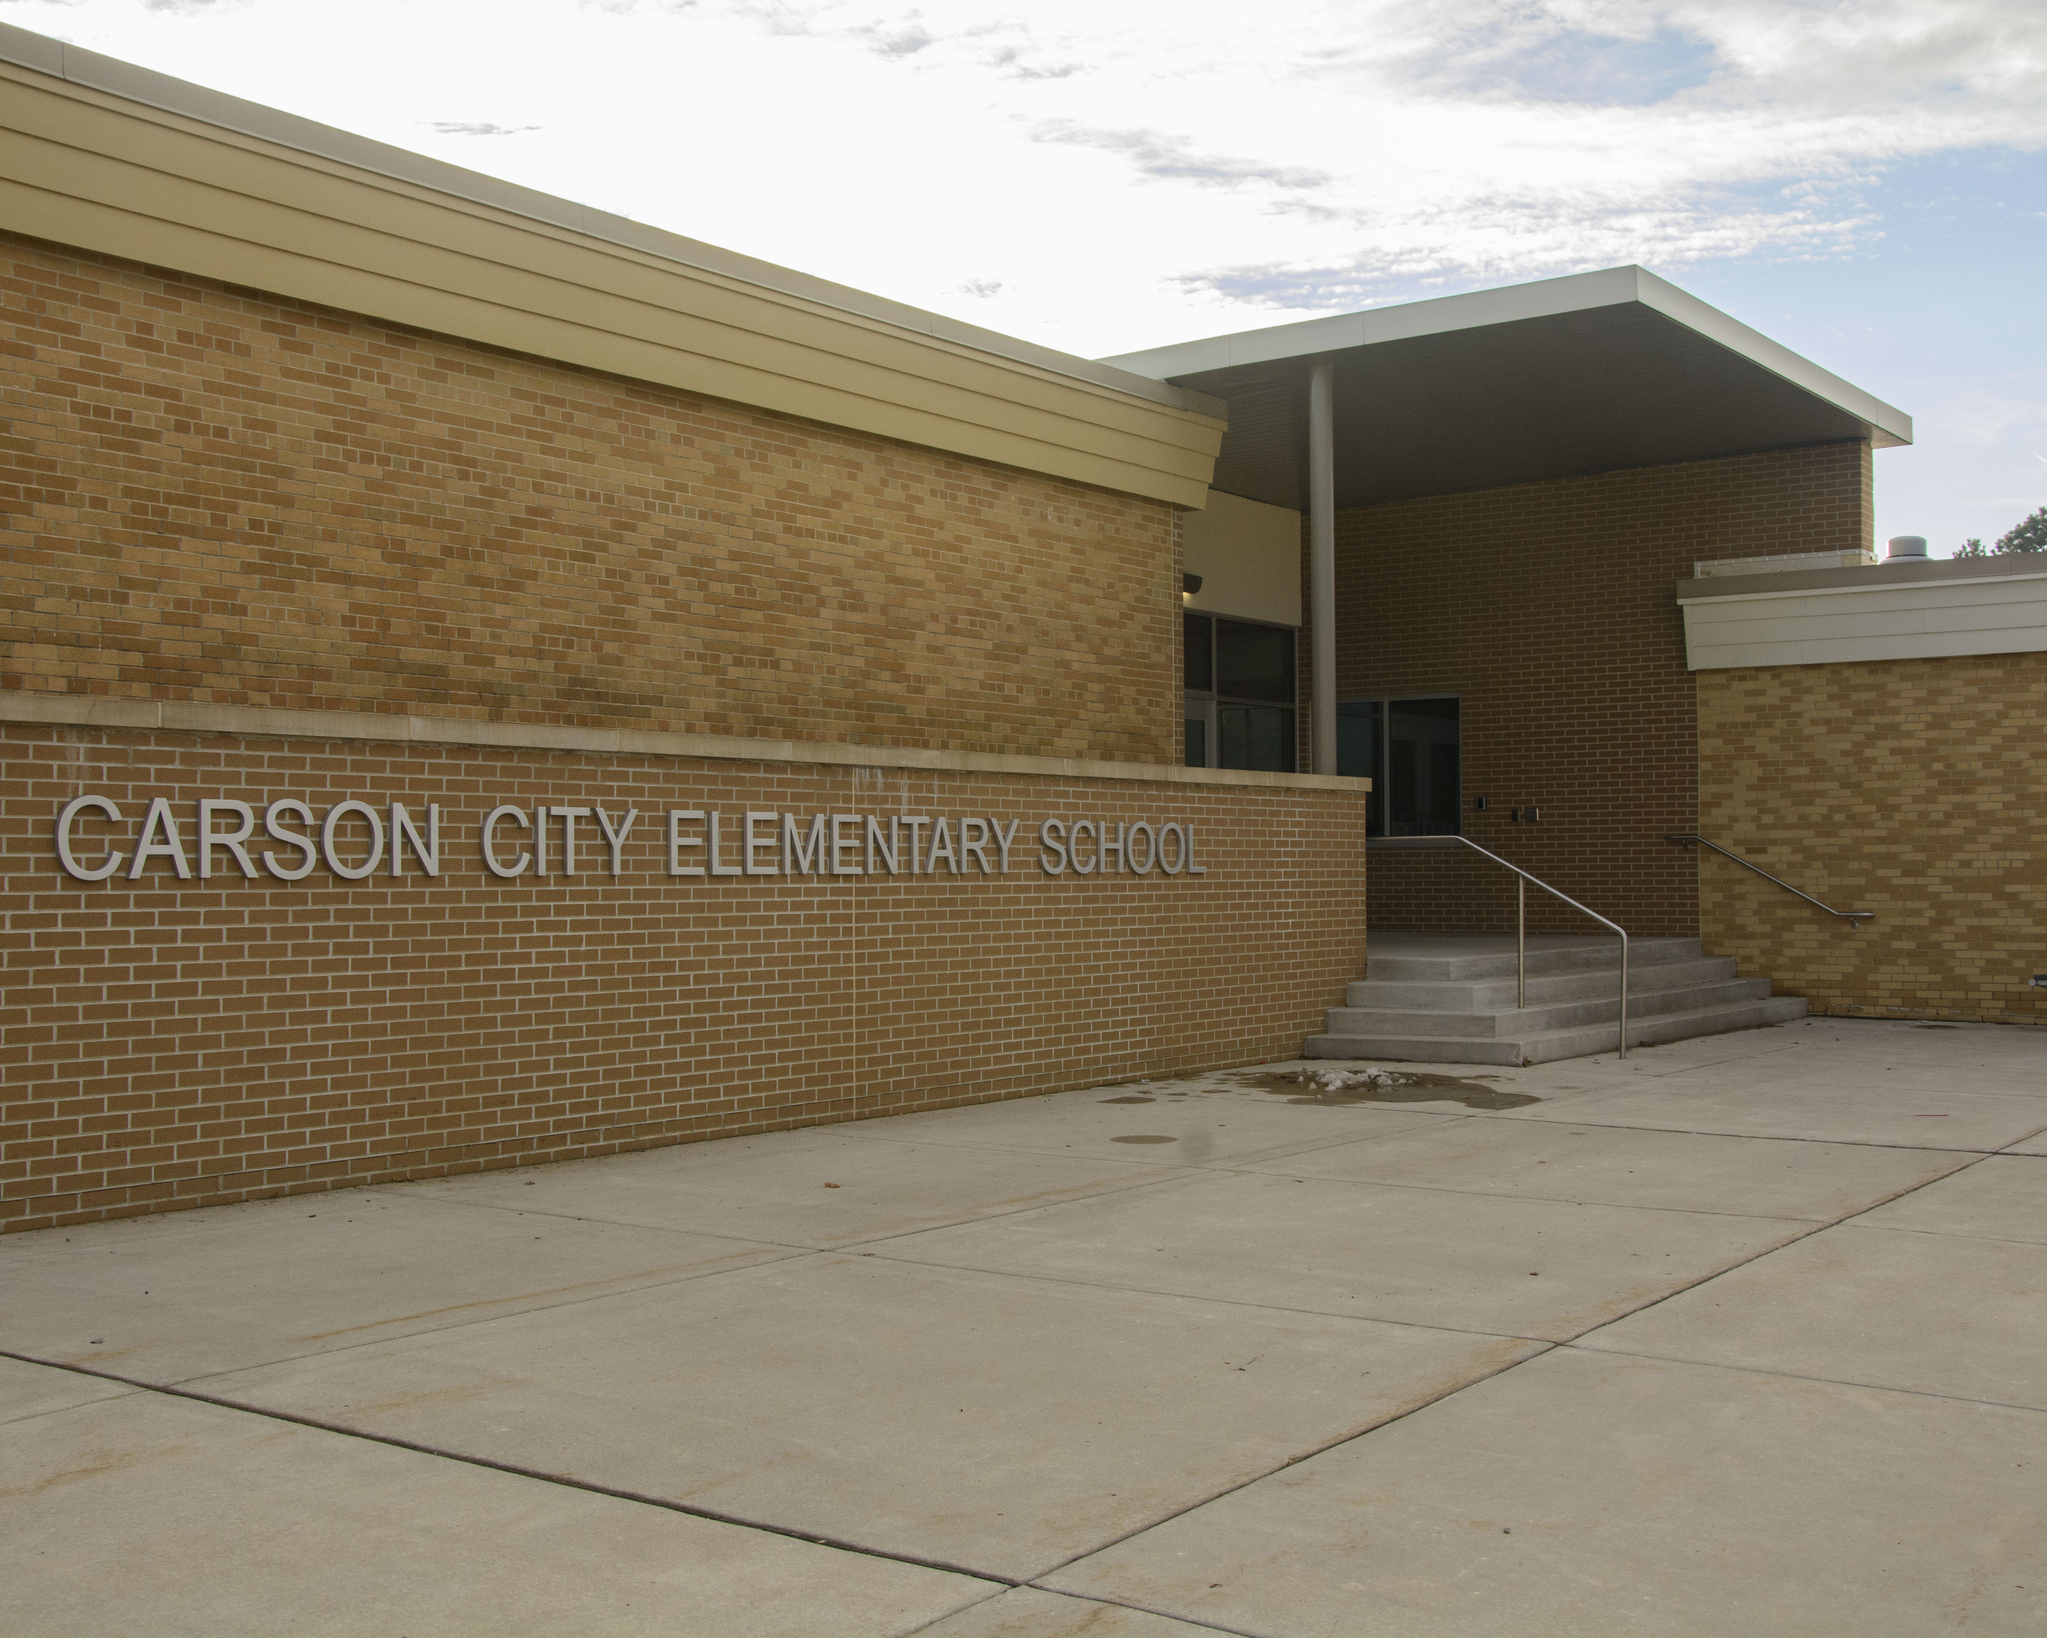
[(1754, 588)]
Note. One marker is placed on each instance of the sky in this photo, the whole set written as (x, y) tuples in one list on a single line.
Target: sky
[(1864, 181)]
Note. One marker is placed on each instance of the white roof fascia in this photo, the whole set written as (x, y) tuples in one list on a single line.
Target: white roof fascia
[(1544, 298), (1437, 316), (1891, 426)]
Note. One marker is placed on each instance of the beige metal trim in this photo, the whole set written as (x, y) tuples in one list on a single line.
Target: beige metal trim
[(1921, 618), (87, 167), (1866, 577), (172, 716)]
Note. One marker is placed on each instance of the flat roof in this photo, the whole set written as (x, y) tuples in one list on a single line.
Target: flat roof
[(1593, 372)]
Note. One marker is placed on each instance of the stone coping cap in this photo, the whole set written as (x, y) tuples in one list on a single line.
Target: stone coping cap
[(175, 716)]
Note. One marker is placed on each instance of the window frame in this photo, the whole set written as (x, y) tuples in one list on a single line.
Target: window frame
[(1211, 700)]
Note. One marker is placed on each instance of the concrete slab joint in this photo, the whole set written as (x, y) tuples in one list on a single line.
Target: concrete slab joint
[(1738, 1331)]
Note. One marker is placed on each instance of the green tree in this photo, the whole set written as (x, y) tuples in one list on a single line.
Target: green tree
[(2029, 534)]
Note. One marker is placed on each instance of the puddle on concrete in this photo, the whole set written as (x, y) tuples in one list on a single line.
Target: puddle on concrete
[(1129, 1100), (1145, 1137), (1336, 1088)]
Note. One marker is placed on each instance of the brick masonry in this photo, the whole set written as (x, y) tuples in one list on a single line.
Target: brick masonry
[(176, 1043), (1907, 787), (1548, 608), (217, 495)]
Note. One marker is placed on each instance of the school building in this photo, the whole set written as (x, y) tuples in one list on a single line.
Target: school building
[(485, 681)]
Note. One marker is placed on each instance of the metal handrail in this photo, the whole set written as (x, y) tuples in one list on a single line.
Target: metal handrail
[(1685, 839), (1521, 918)]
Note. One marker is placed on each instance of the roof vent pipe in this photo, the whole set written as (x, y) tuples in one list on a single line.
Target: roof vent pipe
[(1907, 548)]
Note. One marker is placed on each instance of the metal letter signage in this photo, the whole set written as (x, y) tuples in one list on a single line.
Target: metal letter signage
[(216, 836)]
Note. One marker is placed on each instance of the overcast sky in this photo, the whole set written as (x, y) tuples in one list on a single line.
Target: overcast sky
[(1863, 180)]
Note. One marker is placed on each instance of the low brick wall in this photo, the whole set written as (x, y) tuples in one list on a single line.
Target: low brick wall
[(1899, 786), (184, 1041)]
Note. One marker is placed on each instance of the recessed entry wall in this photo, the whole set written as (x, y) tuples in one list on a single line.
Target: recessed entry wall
[(1545, 610)]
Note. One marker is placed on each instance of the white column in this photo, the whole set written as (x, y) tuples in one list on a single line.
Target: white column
[(1322, 563)]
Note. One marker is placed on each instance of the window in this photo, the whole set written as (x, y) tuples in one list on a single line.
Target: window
[(1411, 751), (1240, 694)]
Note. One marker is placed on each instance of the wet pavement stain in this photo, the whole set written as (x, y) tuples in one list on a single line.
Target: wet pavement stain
[(97, 1464), (1129, 1100), (1335, 1089)]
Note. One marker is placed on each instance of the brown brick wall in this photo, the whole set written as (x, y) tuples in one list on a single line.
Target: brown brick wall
[(175, 1043), (211, 494), (1548, 608), (1908, 787)]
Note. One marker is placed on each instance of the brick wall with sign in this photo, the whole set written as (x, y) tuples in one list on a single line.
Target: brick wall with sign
[(1548, 608), (1898, 786), (173, 1042), (216, 495)]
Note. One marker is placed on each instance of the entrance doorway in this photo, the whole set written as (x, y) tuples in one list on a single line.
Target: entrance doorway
[(1411, 748)]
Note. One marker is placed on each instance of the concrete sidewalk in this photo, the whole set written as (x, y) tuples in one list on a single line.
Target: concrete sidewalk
[(1745, 1335)]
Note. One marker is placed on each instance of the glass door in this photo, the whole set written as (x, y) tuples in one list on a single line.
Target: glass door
[(1411, 748)]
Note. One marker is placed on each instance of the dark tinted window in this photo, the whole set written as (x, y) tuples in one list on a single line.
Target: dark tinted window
[(1411, 751), (1423, 767), (1197, 639), (1255, 736), (1254, 662), (1357, 754)]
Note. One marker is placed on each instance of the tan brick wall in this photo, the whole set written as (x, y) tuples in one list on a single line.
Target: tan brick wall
[(1907, 787), (176, 1043), (1548, 608), (211, 494)]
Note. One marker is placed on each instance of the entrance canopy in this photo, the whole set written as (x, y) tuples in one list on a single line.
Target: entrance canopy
[(1589, 373)]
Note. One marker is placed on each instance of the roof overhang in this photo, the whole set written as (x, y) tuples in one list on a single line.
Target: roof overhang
[(1590, 373)]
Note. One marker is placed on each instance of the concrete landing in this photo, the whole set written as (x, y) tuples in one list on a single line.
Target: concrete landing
[(1441, 998), (1742, 1335)]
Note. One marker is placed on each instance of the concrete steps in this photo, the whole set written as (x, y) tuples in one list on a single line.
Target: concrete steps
[(1428, 999)]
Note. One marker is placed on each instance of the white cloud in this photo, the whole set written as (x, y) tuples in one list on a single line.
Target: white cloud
[(1133, 171), (457, 127)]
